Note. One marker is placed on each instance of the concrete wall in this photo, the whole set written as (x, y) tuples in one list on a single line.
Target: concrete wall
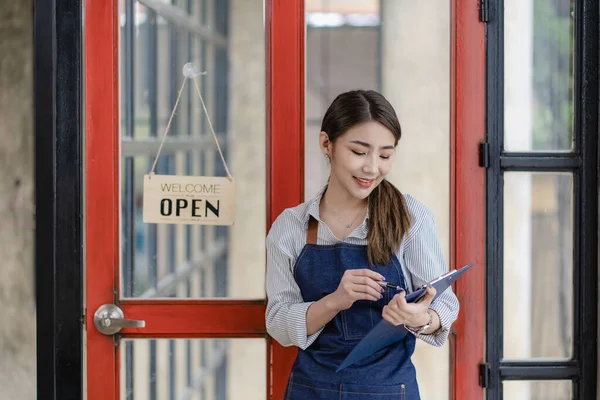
[(247, 357), (17, 331), (416, 72), (337, 60)]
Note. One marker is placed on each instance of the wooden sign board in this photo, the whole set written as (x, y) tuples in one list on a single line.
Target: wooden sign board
[(190, 200)]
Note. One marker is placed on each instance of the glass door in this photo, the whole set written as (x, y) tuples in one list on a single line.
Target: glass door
[(177, 311), (542, 200)]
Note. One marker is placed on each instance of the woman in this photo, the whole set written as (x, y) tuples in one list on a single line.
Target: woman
[(328, 260)]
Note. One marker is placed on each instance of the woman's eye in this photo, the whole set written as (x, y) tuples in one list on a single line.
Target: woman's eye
[(358, 154), (385, 157)]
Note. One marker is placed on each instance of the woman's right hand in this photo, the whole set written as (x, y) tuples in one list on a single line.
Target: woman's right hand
[(357, 284)]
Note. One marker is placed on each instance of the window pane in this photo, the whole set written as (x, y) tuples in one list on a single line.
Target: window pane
[(537, 390), (384, 45), (538, 265), (160, 260), (538, 75), (193, 369), (342, 53)]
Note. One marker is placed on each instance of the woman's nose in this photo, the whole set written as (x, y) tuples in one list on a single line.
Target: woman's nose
[(370, 165)]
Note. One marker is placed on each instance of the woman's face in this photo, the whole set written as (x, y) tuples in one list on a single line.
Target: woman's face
[(361, 158)]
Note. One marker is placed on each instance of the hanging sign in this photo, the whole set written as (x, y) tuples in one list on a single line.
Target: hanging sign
[(190, 200), (203, 200)]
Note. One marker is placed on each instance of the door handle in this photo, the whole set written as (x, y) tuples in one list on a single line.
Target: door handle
[(109, 319)]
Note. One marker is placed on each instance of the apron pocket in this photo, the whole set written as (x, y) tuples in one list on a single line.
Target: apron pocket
[(358, 320)]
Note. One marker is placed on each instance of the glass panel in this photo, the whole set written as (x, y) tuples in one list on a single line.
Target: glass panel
[(179, 260), (342, 53), (193, 369), (538, 265), (370, 44), (538, 75), (537, 390)]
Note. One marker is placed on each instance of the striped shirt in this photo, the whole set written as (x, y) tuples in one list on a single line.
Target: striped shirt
[(420, 255)]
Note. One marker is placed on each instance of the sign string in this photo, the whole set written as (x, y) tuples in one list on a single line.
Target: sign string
[(190, 71)]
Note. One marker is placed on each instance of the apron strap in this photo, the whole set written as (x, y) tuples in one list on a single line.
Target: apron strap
[(311, 232)]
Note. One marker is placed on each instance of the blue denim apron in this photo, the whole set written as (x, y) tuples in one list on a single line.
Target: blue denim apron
[(389, 373)]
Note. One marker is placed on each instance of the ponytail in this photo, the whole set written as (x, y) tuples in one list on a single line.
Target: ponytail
[(389, 221)]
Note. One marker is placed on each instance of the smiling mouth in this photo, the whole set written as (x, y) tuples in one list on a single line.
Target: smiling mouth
[(364, 183), (364, 180)]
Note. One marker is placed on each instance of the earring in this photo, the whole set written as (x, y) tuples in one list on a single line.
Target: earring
[(327, 157)]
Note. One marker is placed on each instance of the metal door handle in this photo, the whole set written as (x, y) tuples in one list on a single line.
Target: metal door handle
[(109, 319)]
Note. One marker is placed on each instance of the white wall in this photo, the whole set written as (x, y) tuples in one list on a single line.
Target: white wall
[(247, 357), (416, 80)]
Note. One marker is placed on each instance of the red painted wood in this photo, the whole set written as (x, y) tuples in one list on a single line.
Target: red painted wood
[(468, 194), (285, 140), (101, 202), (178, 318)]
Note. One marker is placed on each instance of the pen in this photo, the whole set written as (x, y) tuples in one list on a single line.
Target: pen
[(389, 285)]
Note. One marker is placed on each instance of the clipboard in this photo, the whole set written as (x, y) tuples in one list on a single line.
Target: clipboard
[(440, 284), (385, 333)]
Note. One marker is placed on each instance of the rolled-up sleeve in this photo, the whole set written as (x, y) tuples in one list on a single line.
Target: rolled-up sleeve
[(425, 261), (286, 309)]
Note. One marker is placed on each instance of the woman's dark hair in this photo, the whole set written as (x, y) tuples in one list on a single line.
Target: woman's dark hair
[(389, 219)]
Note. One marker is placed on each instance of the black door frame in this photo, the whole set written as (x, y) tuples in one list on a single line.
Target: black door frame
[(583, 164), (58, 133)]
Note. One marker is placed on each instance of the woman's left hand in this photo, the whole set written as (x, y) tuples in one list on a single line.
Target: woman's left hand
[(399, 312)]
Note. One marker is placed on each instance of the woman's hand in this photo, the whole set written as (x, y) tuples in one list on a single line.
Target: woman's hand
[(399, 312), (357, 284)]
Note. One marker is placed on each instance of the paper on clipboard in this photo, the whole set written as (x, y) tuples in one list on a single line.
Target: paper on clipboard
[(385, 333)]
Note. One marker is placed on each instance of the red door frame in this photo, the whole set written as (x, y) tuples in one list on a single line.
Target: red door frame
[(176, 318), (285, 188), (101, 199), (285, 116), (467, 195)]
